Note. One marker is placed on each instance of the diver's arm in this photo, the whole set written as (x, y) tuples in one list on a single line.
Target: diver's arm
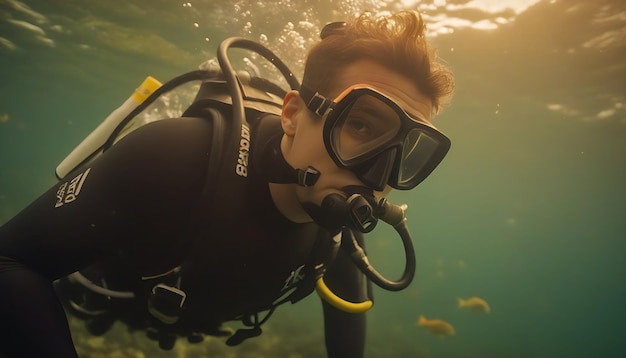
[(344, 332), (136, 197), (32, 320), (46, 240)]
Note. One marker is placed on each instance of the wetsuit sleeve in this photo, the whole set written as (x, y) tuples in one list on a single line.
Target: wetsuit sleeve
[(344, 332), (136, 198)]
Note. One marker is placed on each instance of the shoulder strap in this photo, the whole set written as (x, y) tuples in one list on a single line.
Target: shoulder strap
[(228, 161)]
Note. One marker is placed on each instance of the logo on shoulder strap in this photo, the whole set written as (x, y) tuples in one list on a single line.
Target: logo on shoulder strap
[(244, 149)]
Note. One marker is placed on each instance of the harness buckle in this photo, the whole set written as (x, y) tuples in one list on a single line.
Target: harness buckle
[(166, 302)]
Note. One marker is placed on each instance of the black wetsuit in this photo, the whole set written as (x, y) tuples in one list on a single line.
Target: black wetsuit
[(141, 208)]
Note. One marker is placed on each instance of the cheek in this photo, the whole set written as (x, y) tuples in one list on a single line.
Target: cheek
[(309, 145)]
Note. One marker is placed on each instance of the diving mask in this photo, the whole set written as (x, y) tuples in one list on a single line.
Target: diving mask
[(369, 134)]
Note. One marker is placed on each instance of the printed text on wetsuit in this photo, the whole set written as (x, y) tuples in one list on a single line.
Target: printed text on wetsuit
[(68, 191)]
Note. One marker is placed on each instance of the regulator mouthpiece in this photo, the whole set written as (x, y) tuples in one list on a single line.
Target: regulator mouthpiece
[(356, 210), (361, 213)]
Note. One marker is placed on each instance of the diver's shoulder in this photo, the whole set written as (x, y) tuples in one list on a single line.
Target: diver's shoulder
[(177, 132)]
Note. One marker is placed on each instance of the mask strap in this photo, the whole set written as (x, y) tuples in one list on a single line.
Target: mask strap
[(315, 102)]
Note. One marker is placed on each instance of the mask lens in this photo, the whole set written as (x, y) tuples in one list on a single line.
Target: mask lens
[(417, 150), (363, 127)]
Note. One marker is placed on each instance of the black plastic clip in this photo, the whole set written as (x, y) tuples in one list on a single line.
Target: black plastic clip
[(307, 177)]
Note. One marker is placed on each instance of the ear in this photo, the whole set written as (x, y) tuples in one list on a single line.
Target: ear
[(292, 104)]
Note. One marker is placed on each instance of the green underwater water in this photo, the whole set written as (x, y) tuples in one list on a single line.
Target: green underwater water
[(527, 211)]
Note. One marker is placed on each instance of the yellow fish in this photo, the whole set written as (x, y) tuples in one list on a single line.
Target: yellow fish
[(475, 304), (436, 326), (4, 118)]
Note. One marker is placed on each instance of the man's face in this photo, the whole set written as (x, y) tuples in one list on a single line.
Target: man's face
[(303, 144)]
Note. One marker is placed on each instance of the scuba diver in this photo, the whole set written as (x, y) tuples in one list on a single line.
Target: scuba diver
[(254, 197)]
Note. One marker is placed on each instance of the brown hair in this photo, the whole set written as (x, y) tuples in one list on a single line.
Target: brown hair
[(396, 41)]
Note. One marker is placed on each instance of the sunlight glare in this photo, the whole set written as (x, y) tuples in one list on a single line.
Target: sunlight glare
[(490, 6)]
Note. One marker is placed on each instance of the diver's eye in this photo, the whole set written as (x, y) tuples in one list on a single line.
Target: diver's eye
[(364, 126), (360, 128)]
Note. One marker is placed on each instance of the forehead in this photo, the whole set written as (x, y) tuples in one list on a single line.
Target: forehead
[(392, 84)]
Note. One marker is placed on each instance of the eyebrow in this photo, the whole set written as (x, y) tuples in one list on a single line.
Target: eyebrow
[(375, 110), (403, 105)]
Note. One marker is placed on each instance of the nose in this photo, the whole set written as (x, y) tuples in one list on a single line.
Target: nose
[(376, 172)]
